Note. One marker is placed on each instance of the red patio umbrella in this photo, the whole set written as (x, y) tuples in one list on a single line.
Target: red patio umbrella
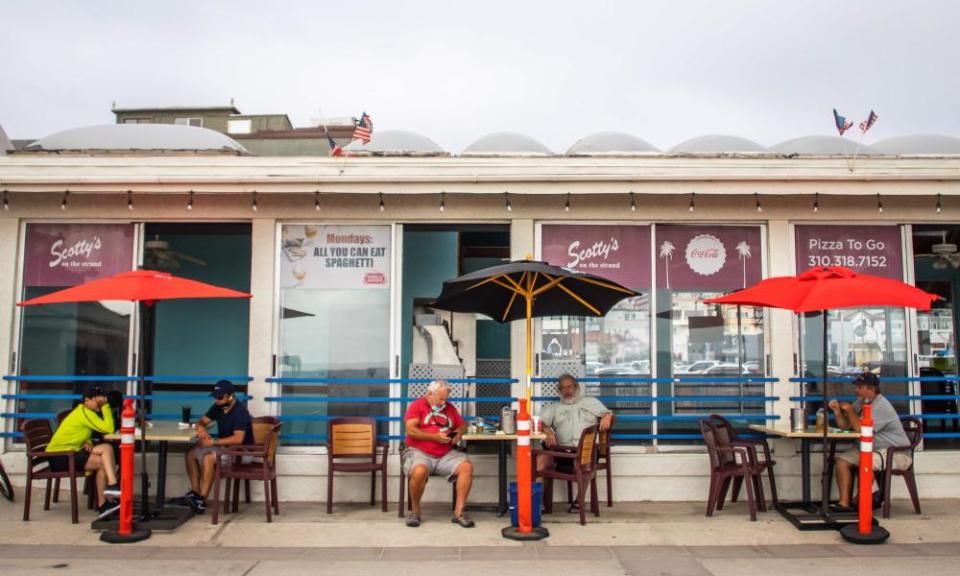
[(145, 287), (828, 288)]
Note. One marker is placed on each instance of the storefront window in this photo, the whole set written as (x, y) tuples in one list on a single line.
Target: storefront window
[(83, 339), (937, 269), (708, 353), (334, 324), (611, 354), (859, 339)]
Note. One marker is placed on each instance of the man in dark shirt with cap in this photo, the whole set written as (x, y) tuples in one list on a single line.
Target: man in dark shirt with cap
[(234, 427)]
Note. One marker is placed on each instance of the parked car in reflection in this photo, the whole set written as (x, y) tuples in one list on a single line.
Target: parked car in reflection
[(698, 367)]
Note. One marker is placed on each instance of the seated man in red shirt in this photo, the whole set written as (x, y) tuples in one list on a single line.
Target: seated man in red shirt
[(433, 428)]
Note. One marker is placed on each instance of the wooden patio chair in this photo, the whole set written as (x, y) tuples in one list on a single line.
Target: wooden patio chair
[(352, 446), (36, 435), (914, 428), (727, 462), (764, 463), (250, 462), (584, 472)]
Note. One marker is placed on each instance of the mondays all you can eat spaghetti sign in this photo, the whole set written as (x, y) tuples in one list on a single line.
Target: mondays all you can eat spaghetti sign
[(335, 257)]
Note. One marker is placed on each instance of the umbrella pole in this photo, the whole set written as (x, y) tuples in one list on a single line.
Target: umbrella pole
[(141, 402), (824, 480), (740, 356)]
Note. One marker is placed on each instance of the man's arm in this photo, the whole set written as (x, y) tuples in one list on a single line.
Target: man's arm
[(853, 420), (234, 439), (414, 431)]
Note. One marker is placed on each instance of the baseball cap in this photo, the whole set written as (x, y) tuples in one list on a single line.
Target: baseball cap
[(867, 379), (222, 388), (93, 390)]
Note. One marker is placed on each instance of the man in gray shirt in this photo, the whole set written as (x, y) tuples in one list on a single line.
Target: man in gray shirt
[(563, 421), (887, 432)]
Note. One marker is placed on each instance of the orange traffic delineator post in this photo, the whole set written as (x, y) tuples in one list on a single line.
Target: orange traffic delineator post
[(866, 531), (526, 530), (126, 533)]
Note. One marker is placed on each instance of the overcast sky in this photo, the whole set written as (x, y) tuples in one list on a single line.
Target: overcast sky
[(665, 71)]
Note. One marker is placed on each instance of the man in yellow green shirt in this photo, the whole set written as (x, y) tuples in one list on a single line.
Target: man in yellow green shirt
[(93, 414)]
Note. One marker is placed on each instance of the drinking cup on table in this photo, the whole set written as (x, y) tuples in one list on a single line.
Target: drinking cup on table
[(535, 424), (185, 414)]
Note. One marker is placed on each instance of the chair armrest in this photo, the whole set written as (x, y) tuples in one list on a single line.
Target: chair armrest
[(243, 450), (556, 454), (43, 454)]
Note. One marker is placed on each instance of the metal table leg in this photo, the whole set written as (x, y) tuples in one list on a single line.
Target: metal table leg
[(162, 473), (805, 469), (501, 478)]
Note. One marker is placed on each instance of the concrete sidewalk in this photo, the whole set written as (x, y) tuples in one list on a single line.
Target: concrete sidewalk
[(630, 538)]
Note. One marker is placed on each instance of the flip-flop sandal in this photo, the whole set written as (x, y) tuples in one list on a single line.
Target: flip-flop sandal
[(413, 521), (463, 521), (842, 509)]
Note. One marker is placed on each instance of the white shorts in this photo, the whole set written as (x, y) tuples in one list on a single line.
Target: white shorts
[(901, 460)]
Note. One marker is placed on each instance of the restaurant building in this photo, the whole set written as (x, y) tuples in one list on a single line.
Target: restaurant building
[(344, 254)]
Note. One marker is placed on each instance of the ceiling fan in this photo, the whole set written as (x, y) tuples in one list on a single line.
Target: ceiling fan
[(945, 254), (158, 254)]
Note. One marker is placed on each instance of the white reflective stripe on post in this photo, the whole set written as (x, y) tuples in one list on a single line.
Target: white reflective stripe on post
[(866, 431), (127, 423), (866, 446), (126, 438), (523, 425), (523, 440)]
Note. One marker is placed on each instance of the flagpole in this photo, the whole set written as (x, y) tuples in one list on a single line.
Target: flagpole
[(854, 165)]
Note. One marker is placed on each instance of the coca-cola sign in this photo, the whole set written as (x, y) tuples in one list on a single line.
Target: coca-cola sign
[(709, 258), (71, 254), (620, 253)]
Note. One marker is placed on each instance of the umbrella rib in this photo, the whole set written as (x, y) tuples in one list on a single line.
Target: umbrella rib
[(506, 311), (604, 284), (573, 295), (553, 282)]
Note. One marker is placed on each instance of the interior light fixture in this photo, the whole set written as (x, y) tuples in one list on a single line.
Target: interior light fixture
[(254, 205), (382, 207), (633, 203), (566, 207), (316, 201), (63, 204), (506, 196), (816, 202), (693, 200), (129, 200), (757, 198), (879, 204), (190, 202), (6, 202), (939, 204), (443, 203)]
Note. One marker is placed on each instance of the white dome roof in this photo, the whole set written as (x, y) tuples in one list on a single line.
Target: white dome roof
[(137, 137), (821, 146), (612, 143), (718, 144), (932, 144), (506, 144), (396, 142), (5, 143)]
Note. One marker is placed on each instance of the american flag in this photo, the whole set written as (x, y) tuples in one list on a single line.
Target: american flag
[(866, 124), (842, 123), (364, 129), (335, 149)]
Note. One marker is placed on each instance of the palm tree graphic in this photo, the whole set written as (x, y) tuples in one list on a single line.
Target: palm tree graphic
[(666, 252), (743, 253)]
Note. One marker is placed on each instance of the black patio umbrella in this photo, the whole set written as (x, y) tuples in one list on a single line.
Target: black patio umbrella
[(527, 289)]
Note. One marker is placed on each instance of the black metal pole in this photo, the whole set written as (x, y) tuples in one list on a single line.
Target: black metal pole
[(824, 493), (740, 357), (141, 402)]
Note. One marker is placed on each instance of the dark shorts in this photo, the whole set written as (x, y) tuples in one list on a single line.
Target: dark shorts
[(62, 463)]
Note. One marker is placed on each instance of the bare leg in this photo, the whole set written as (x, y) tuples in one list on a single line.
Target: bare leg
[(844, 481), (105, 452), (193, 472), (464, 481), (94, 464), (418, 482), (209, 461), (544, 461)]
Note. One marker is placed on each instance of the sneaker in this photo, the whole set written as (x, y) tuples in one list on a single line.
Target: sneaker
[(413, 521), (197, 502), (106, 509), (112, 491)]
